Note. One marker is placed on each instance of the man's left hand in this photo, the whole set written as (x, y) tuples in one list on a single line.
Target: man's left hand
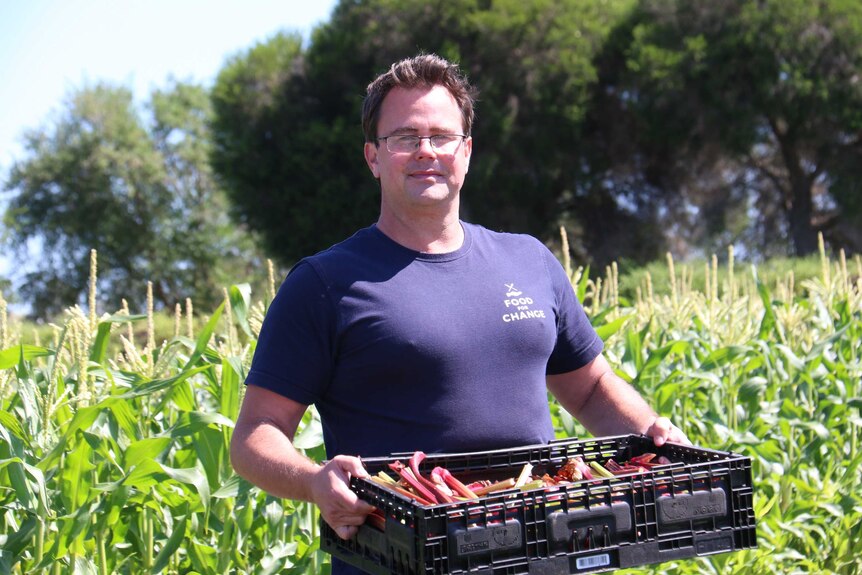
[(662, 431)]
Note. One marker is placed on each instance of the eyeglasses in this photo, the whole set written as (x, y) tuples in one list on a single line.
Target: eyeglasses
[(441, 143)]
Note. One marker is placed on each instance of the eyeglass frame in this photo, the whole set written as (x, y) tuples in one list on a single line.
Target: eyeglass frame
[(419, 141)]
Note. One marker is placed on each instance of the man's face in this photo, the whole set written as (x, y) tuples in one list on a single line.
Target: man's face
[(425, 177)]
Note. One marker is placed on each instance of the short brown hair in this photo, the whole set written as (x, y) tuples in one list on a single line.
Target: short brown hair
[(425, 70)]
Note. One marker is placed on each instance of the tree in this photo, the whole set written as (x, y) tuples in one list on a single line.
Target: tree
[(288, 137), (99, 178), (748, 111), (288, 161), (206, 248)]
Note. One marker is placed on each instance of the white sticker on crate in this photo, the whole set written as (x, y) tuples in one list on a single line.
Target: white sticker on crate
[(593, 561)]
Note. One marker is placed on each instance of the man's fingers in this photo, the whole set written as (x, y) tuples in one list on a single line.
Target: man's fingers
[(346, 531), (677, 436), (339, 505), (662, 431), (351, 465)]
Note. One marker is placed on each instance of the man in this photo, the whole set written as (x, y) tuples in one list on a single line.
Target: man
[(421, 331)]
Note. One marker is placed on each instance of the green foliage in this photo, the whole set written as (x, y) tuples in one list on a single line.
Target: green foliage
[(288, 137), (772, 373), (292, 167), (747, 103), (771, 271), (144, 196), (114, 454), (636, 124), (119, 463)]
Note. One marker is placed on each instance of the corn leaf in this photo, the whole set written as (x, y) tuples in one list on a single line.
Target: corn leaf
[(722, 356), (190, 423), (191, 476), (10, 423), (31, 493), (240, 301), (234, 486), (172, 544), (658, 355), (767, 324), (76, 473), (211, 449), (99, 347), (229, 389), (84, 566), (145, 474), (607, 330), (310, 436), (21, 539), (12, 356), (149, 448), (583, 283), (204, 338)]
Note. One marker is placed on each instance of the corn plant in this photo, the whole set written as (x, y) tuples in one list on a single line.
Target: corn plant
[(114, 447), (119, 464), (766, 374)]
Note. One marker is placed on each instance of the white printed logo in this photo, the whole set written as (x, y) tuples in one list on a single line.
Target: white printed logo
[(513, 291), (518, 306)]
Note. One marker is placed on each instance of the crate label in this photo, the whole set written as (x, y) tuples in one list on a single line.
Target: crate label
[(718, 544), (673, 509), (593, 561), (486, 539)]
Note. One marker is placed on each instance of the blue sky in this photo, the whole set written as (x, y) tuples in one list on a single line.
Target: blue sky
[(49, 48)]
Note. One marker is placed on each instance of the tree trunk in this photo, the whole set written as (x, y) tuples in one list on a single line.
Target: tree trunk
[(802, 232), (801, 204)]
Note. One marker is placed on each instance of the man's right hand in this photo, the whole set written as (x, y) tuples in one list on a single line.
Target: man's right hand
[(339, 506), (263, 453)]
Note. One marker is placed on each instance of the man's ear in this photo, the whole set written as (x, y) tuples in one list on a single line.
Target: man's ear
[(371, 155)]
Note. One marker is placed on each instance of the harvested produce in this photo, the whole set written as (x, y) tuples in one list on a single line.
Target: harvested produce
[(440, 486)]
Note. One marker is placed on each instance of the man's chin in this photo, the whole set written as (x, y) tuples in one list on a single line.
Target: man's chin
[(433, 197)]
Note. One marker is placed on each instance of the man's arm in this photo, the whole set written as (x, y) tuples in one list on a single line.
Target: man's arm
[(607, 405), (262, 452)]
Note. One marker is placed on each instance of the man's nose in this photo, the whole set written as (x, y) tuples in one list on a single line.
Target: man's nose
[(425, 148)]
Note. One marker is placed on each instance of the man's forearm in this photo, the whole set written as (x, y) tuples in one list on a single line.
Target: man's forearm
[(614, 407), (263, 454)]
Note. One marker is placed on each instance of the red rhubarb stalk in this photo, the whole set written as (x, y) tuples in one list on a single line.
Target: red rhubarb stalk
[(417, 458), (642, 458), (499, 486), (396, 487), (583, 468), (376, 519), (441, 489), (411, 480), (453, 483)]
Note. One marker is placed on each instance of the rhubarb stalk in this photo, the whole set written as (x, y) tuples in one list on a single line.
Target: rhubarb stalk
[(415, 460), (411, 480), (440, 483), (525, 475), (453, 483)]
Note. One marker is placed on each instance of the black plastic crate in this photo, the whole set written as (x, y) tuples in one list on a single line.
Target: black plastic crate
[(699, 505)]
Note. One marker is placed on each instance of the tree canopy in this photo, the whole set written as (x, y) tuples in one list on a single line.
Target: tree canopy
[(288, 140), (143, 196), (640, 125), (750, 111)]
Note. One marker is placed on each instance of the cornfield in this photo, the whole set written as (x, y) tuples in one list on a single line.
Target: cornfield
[(114, 451)]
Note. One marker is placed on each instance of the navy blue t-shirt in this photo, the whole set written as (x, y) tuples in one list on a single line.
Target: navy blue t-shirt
[(402, 351)]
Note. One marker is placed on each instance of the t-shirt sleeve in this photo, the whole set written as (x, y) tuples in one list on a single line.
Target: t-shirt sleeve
[(294, 352), (577, 342)]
